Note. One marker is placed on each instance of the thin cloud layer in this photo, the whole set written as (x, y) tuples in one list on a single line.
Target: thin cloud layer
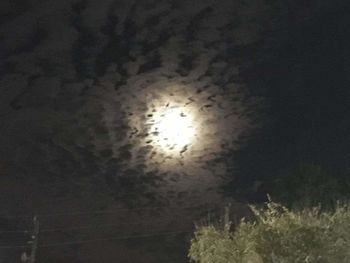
[(82, 80)]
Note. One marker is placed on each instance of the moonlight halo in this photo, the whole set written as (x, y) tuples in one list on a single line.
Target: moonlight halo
[(172, 129)]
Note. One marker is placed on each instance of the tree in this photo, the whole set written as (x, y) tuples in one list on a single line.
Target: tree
[(278, 235)]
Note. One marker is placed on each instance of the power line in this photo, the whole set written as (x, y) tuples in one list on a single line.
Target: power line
[(78, 227), (121, 198), (114, 211), (96, 227), (13, 216), (14, 231), (102, 239), (19, 246), (115, 238), (48, 230), (98, 239), (56, 229)]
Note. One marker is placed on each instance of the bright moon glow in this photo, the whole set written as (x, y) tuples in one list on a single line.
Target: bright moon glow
[(173, 129)]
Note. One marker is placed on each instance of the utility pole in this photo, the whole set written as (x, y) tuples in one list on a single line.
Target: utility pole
[(227, 222), (35, 237)]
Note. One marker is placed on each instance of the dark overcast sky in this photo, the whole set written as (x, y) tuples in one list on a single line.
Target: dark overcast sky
[(302, 71), (80, 78), (268, 83)]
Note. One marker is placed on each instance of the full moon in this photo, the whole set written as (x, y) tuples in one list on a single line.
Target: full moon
[(173, 129)]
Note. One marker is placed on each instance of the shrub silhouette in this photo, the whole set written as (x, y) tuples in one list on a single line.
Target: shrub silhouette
[(309, 185), (278, 235)]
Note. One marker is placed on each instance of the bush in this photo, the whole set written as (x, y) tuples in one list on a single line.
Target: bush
[(309, 185), (278, 235)]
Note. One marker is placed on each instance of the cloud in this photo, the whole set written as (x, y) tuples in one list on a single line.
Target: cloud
[(99, 68)]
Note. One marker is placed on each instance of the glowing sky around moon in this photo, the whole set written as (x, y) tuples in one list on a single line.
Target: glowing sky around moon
[(172, 125), (173, 129)]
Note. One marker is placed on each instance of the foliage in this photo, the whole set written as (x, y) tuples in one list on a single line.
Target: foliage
[(278, 235), (309, 185)]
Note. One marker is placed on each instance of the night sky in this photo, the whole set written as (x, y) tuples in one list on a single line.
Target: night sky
[(83, 85)]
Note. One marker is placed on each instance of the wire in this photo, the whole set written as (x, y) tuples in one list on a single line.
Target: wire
[(9, 247), (115, 211), (13, 216), (101, 239), (94, 240), (57, 229), (48, 230), (14, 231), (115, 238)]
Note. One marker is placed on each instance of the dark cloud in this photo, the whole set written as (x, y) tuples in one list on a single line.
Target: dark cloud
[(82, 81)]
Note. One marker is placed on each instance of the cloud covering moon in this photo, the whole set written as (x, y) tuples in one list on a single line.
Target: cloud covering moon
[(82, 80)]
